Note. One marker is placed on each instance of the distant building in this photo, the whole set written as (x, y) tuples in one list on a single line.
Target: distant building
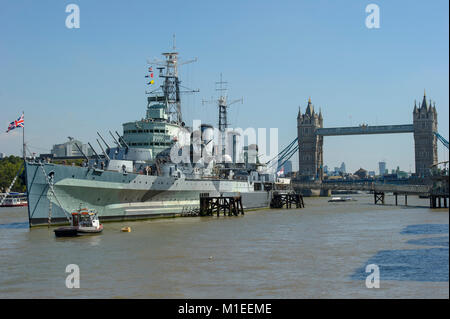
[(287, 167), (402, 174), (382, 168), (69, 148), (361, 173), (371, 173), (2, 155), (325, 169), (342, 168)]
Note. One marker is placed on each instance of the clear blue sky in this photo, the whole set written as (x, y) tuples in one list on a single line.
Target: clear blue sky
[(275, 54)]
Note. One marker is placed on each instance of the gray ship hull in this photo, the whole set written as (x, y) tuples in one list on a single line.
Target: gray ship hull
[(117, 196)]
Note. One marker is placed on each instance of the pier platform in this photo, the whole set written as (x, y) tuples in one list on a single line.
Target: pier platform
[(287, 199), (227, 205)]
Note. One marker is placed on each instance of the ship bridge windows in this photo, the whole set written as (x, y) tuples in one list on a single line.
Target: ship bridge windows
[(151, 144), (156, 130)]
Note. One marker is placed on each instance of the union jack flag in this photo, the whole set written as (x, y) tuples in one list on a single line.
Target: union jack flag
[(16, 123)]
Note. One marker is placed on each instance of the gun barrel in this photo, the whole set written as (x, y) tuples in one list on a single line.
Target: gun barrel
[(118, 144), (107, 146), (104, 153), (121, 139), (93, 150)]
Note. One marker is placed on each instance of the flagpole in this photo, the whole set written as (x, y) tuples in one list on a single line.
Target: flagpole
[(23, 138)]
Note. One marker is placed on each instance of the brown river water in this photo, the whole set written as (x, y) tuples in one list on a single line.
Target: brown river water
[(319, 251)]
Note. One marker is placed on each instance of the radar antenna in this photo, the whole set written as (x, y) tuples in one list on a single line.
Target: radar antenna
[(168, 70), (223, 106)]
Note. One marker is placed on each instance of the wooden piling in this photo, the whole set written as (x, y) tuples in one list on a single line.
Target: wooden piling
[(280, 200), (230, 206), (438, 201)]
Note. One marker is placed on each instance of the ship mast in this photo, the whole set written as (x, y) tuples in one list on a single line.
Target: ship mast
[(171, 86), (223, 110)]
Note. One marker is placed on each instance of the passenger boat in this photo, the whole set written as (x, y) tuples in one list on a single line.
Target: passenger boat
[(341, 199), (83, 221), (13, 200)]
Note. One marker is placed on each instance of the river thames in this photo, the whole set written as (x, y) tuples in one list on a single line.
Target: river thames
[(320, 251)]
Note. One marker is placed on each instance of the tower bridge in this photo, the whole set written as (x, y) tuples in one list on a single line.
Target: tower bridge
[(365, 129), (310, 132)]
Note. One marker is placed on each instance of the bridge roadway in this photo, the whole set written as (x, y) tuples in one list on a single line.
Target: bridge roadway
[(366, 186), (365, 129)]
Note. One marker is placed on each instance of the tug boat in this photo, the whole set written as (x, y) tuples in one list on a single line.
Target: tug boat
[(83, 221)]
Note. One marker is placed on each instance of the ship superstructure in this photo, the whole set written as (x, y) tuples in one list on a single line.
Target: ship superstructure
[(162, 125)]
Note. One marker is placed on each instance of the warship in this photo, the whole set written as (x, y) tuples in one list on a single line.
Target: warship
[(137, 176)]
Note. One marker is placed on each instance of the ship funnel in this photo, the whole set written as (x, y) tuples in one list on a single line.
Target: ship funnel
[(207, 139)]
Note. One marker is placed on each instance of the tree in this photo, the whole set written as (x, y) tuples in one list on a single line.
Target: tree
[(9, 167)]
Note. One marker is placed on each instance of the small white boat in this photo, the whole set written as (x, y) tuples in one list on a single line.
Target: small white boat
[(87, 221), (341, 199)]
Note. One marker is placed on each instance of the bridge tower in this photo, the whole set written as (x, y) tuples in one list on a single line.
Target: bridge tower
[(425, 142), (310, 152)]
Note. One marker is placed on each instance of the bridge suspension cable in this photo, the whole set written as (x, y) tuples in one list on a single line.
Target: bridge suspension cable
[(283, 156), (283, 152), (287, 157), (441, 139)]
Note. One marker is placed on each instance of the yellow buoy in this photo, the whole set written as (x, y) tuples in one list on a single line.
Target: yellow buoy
[(126, 229)]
